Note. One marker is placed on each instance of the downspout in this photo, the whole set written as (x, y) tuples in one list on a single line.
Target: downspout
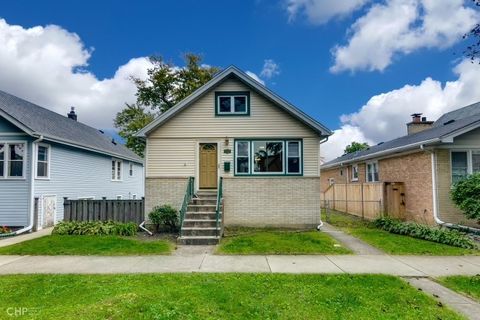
[(319, 227), (32, 186), (436, 217)]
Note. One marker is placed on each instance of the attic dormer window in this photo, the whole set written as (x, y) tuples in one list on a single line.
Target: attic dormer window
[(232, 103)]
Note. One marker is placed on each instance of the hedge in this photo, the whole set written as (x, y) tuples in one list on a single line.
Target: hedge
[(101, 228), (445, 236)]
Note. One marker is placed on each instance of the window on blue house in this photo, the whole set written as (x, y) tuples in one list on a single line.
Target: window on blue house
[(2, 160), (16, 157), (43, 158)]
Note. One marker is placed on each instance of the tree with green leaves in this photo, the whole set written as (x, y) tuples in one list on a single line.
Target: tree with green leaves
[(165, 86), (356, 146), (472, 50)]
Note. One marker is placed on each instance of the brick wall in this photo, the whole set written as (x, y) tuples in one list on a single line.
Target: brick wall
[(160, 191), (448, 212), (415, 171), (345, 178), (272, 201)]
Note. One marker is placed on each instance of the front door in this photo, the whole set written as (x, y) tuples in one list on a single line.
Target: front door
[(208, 166), (49, 210)]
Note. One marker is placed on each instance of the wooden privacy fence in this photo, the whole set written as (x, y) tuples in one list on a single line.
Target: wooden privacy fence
[(365, 200), (104, 210)]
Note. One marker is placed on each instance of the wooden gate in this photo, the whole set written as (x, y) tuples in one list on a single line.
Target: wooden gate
[(395, 199)]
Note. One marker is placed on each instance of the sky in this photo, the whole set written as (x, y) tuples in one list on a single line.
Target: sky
[(359, 67)]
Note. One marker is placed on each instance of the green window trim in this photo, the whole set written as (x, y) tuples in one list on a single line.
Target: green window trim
[(285, 158), (232, 94)]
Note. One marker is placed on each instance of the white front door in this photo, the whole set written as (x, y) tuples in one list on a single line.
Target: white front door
[(49, 209)]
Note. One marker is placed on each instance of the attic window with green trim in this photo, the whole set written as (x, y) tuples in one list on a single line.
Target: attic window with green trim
[(232, 103)]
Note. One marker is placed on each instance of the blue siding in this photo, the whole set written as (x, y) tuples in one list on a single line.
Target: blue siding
[(15, 193), (76, 173), (6, 126)]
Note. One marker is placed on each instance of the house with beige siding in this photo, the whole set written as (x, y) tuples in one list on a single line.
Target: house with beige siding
[(237, 153), (421, 167)]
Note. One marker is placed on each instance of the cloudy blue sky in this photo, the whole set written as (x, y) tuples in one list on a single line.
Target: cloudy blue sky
[(360, 67)]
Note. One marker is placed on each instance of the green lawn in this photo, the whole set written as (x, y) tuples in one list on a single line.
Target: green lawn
[(88, 245), (466, 285), (217, 296), (392, 243), (267, 241)]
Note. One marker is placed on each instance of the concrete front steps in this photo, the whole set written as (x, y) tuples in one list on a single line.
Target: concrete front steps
[(199, 226)]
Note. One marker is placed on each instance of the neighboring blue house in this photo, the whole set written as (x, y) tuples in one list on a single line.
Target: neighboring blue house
[(70, 159)]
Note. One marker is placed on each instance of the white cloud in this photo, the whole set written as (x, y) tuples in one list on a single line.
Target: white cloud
[(46, 65), (401, 27), (255, 77), (384, 116), (270, 69), (321, 11)]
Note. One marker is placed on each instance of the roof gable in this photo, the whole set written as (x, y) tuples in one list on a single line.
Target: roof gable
[(249, 82), (36, 121)]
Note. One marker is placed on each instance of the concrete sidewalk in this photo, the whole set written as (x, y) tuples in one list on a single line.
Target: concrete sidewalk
[(407, 266), (25, 237)]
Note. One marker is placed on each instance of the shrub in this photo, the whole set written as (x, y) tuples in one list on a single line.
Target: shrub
[(100, 228), (445, 236), (466, 195), (166, 216)]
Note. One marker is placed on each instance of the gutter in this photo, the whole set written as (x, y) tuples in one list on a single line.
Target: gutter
[(436, 216), (32, 187), (319, 227), (379, 153)]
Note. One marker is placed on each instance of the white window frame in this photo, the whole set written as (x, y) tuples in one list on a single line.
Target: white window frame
[(469, 161), (48, 161), (232, 104), (300, 157), (355, 170), (118, 164), (130, 169), (252, 160), (373, 175), (248, 157), (6, 160)]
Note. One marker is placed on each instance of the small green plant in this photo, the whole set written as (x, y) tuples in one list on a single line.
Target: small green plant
[(415, 230), (466, 195), (100, 228), (165, 215), (5, 229)]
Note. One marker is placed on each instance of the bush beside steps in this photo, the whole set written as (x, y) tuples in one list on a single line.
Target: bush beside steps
[(445, 236), (95, 228)]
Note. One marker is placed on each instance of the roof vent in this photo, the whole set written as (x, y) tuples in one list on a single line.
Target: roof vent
[(380, 143), (101, 131), (114, 142), (72, 115), (449, 121)]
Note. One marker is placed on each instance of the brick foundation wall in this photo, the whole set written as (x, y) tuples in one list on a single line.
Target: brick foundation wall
[(271, 201), (415, 171), (160, 191)]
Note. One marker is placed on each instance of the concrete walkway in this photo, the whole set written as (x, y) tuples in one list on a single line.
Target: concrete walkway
[(24, 237), (354, 244), (459, 303), (408, 266)]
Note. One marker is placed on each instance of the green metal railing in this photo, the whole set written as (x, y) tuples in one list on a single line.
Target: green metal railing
[(186, 200), (219, 204)]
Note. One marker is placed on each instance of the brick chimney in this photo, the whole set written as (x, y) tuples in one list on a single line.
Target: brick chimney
[(72, 115), (418, 124)]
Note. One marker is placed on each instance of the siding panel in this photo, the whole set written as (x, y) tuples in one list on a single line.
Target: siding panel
[(76, 173)]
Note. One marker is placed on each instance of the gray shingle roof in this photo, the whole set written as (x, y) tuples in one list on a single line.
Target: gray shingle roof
[(465, 112), (59, 128), (440, 129)]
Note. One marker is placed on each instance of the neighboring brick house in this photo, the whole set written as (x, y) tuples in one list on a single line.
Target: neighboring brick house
[(427, 161), (233, 129)]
